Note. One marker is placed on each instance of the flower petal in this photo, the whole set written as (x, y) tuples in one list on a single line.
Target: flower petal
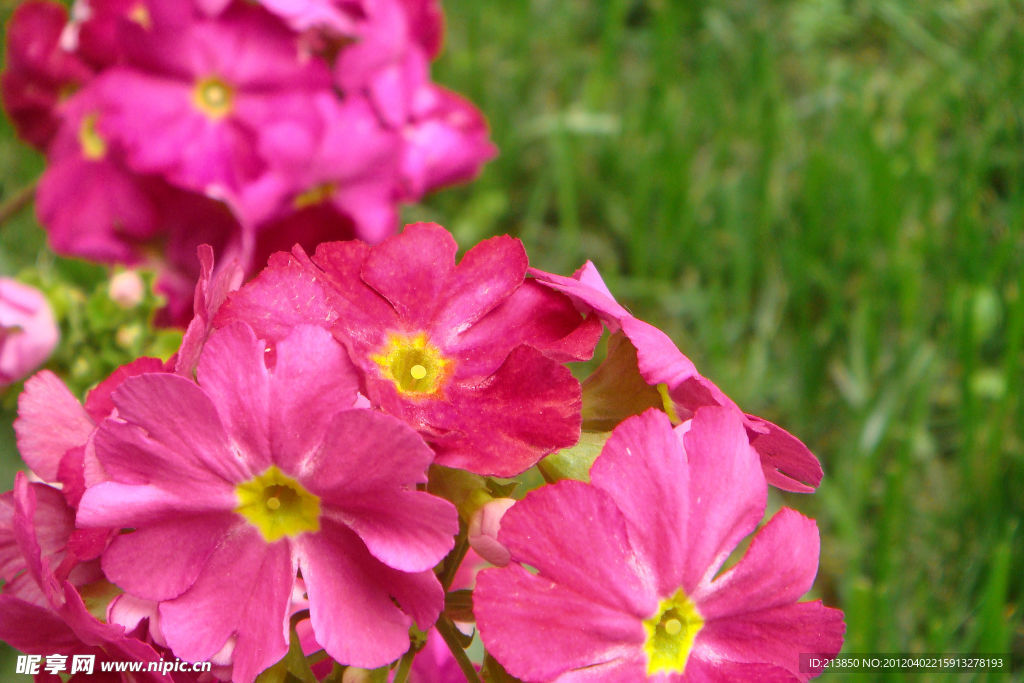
[(538, 629), (162, 560), (727, 490), (50, 421), (774, 636), (777, 569), (349, 605), (575, 536), (644, 470), (408, 530), (243, 589)]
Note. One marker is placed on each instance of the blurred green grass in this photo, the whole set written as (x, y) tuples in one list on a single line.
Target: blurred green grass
[(821, 201)]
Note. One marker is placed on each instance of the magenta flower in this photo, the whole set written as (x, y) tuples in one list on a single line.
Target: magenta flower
[(627, 585), (234, 483), (191, 96), (644, 369), (47, 567), (39, 72), (28, 332), (468, 354)]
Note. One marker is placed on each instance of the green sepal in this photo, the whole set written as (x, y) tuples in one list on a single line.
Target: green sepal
[(574, 462)]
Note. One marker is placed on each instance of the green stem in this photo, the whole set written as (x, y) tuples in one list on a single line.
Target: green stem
[(451, 638), (455, 559), (404, 667), (17, 201)]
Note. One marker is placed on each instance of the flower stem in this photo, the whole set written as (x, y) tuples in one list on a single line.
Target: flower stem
[(447, 630), (455, 558), (17, 201), (404, 667)]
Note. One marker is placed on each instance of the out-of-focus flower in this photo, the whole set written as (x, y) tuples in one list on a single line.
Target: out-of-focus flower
[(468, 354), (28, 332), (644, 369), (39, 73), (234, 482), (127, 289), (249, 114), (626, 583)]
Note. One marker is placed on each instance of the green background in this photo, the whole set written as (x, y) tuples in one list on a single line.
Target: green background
[(822, 202)]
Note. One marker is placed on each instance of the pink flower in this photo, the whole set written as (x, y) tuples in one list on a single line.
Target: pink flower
[(48, 566), (644, 369), (39, 72), (483, 531), (259, 469), (627, 584), (468, 354), (191, 96), (28, 332)]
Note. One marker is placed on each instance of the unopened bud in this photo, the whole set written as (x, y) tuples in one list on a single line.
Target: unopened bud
[(483, 531)]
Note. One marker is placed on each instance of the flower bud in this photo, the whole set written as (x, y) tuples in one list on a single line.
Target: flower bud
[(127, 289), (483, 531), (28, 333)]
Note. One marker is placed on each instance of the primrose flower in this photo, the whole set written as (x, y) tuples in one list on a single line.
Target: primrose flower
[(28, 332), (468, 354), (255, 471), (39, 72), (626, 585), (644, 369), (54, 594)]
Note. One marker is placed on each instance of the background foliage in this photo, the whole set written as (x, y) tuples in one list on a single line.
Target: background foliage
[(822, 202)]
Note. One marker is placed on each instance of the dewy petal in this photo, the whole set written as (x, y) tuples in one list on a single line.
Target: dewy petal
[(352, 614), (774, 636), (528, 408), (50, 421), (407, 530), (777, 569), (162, 560), (233, 373), (644, 470), (539, 629), (575, 536), (364, 452), (243, 589), (313, 379), (412, 270), (727, 491)]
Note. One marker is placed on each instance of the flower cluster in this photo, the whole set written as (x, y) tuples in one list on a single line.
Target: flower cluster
[(249, 126), (298, 489)]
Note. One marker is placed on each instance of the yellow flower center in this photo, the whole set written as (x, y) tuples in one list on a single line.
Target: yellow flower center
[(414, 364), (278, 505), (670, 634), (315, 195), (139, 13), (213, 97), (93, 145)]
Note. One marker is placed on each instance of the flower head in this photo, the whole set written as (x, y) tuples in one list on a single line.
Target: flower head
[(627, 584), (28, 332), (257, 470), (467, 354), (645, 369)]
